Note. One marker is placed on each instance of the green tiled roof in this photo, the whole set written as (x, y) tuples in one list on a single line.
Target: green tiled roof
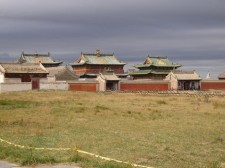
[(158, 62), (98, 59), (145, 72), (37, 58)]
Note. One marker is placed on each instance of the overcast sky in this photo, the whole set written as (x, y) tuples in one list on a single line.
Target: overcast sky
[(189, 32)]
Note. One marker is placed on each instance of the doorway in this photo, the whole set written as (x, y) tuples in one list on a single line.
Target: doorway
[(186, 85), (112, 85), (35, 84)]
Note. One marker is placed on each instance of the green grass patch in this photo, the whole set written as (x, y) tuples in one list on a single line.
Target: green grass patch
[(11, 104)]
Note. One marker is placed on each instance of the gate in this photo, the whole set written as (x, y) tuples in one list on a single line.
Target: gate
[(35, 83)]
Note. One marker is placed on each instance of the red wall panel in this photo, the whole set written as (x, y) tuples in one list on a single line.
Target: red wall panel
[(144, 86), (91, 87), (216, 85)]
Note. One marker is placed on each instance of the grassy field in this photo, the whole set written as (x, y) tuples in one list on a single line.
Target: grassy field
[(157, 131)]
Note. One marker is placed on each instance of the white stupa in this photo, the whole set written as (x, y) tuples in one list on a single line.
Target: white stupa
[(208, 76)]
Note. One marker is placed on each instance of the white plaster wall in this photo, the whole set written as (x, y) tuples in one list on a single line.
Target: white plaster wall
[(102, 84), (97, 87), (173, 81), (51, 79), (1, 77), (12, 80), (54, 86), (44, 80), (173, 84), (12, 87)]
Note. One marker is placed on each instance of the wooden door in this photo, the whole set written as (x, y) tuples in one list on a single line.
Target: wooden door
[(35, 84)]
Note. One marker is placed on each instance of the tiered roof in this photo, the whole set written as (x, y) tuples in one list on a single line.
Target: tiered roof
[(157, 62), (155, 65), (38, 58), (150, 71), (97, 59)]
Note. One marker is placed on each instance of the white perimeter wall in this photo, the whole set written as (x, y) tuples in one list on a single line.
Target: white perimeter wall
[(12, 87), (54, 86)]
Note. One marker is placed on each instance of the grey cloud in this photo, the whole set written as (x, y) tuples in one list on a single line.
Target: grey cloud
[(180, 29), (96, 11)]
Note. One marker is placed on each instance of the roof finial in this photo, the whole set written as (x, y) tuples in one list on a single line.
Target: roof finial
[(97, 52)]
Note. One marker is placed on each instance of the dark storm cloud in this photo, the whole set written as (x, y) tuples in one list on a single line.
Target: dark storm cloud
[(183, 30)]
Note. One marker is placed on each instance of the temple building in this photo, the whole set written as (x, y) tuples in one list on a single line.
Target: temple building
[(45, 59), (17, 73), (154, 68), (90, 65)]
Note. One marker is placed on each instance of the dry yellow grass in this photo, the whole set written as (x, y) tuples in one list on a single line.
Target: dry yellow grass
[(154, 130)]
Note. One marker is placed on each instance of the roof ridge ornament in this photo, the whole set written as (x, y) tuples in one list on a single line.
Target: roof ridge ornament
[(98, 52)]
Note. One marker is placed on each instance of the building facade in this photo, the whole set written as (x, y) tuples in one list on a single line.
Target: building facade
[(108, 82), (154, 68), (17, 73), (89, 65)]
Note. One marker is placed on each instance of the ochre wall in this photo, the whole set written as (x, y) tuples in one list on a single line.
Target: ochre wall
[(97, 68), (91, 87), (144, 86), (214, 85)]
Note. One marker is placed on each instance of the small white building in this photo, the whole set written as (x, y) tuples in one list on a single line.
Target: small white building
[(108, 81), (17, 73), (20, 77), (182, 80)]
